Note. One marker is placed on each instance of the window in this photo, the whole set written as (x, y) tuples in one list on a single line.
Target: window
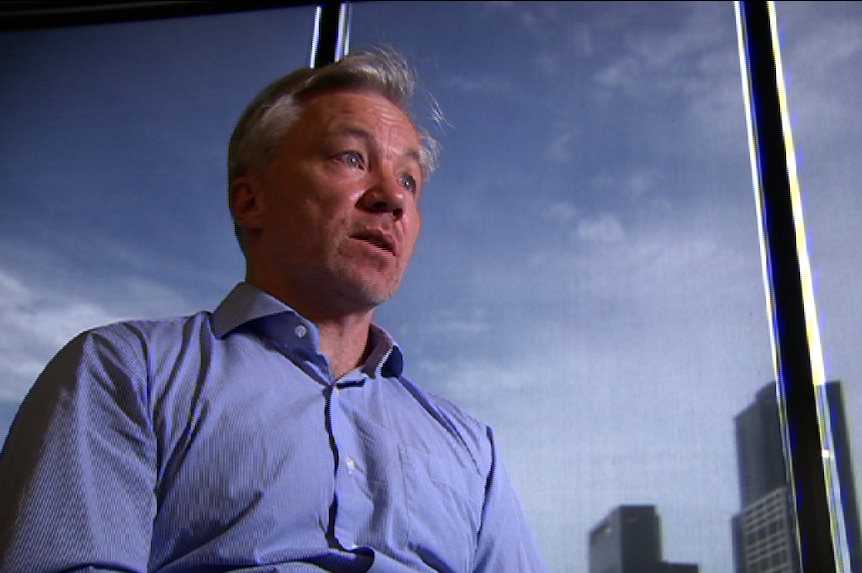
[(114, 154), (820, 45), (589, 277)]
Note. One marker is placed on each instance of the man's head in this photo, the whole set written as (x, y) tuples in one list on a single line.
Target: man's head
[(326, 168)]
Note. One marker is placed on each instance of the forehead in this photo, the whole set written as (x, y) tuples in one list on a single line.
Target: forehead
[(371, 111)]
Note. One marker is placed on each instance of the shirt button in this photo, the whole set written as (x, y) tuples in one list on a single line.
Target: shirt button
[(351, 465), (300, 331)]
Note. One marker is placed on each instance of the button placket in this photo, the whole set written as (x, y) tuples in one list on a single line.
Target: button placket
[(353, 503)]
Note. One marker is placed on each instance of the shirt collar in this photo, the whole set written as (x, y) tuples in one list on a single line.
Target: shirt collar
[(247, 303), (385, 358)]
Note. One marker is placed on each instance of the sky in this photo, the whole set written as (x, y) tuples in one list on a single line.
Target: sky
[(588, 280)]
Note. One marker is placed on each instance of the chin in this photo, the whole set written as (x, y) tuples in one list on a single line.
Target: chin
[(376, 297), (375, 292), (363, 286)]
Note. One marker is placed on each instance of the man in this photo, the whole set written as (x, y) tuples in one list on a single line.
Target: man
[(277, 433)]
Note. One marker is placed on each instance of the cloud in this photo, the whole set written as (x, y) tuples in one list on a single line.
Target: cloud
[(559, 148), (663, 54), (821, 46), (593, 354), (625, 75), (550, 64), (34, 324), (535, 19), (604, 228), (487, 84), (491, 5), (686, 62), (456, 325), (562, 211), (37, 318), (574, 397), (635, 182)]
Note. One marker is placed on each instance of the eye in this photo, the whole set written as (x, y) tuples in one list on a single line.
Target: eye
[(352, 158), (409, 182)]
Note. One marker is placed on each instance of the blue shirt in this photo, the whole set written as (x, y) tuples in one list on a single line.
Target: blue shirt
[(220, 442)]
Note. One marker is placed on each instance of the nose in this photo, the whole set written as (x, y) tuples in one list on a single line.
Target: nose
[(385, 195)]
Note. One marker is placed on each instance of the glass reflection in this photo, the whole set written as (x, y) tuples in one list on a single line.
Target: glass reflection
[(589, 278), (820, 44), (112, 156)]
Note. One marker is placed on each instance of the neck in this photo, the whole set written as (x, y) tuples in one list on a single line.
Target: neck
[(343, 333), (345, 343)]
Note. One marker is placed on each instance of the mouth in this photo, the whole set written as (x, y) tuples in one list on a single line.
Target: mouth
[(378, 239)]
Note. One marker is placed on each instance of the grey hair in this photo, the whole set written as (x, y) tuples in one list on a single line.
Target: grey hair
[(267, 119)]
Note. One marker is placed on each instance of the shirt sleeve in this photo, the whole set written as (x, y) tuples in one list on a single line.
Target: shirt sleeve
[(506, 542), (78, 469)]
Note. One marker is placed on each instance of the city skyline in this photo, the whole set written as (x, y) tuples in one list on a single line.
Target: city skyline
[(629, 540)]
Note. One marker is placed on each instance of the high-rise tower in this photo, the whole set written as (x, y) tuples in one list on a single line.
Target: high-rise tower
[(764, 530), (628, 540), (841, 445)]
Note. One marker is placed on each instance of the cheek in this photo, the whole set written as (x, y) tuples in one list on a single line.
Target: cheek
[(415, 230), (417, 225)]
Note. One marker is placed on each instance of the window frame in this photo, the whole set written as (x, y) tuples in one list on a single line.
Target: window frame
[(794, 329), (795, 333)]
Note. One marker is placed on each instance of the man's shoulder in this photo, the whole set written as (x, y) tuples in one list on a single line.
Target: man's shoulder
[(471, 432), (144, 333), (148, 327), (457, 413), (441, 404)]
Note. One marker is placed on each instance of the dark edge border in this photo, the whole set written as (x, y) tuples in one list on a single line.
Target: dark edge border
[(15, 15)]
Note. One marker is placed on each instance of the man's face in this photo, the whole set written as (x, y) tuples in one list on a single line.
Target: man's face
[(339, 204)]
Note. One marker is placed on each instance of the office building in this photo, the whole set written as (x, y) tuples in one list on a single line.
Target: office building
[(844, 463), (764, 530), (628, 540)]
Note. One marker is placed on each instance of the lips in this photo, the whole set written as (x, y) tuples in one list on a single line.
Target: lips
[(379, 239)]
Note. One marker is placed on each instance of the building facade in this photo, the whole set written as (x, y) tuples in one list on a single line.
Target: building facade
[(764, 530), (628, 540)]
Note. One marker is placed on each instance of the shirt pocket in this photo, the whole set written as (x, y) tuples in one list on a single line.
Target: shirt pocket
[(444, 499)]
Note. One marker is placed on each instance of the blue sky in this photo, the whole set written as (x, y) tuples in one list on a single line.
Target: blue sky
[(588, 279)]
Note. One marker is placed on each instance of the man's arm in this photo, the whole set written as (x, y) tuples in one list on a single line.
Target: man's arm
[(78, 470), (506, 542)]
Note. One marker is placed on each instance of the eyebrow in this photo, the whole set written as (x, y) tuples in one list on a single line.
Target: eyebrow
[(364, 134)]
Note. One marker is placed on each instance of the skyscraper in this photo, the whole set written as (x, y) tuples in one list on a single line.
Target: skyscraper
[(764, 539), (628, 540), (764, 530), (841, 451), (759, 450)]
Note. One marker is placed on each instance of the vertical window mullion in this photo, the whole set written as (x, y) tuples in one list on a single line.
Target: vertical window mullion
[(331, 35), (797, 354)]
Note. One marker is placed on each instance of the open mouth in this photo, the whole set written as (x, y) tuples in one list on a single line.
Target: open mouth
[(380, 240)]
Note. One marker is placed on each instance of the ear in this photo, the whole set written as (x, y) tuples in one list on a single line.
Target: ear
[(247, 202)]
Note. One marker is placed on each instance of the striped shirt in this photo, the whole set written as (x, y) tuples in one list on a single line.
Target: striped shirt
[(220, 442)]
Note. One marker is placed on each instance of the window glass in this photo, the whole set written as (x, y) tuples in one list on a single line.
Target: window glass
[(588, 281), (821, 47), (589, 278), (113, 157)]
